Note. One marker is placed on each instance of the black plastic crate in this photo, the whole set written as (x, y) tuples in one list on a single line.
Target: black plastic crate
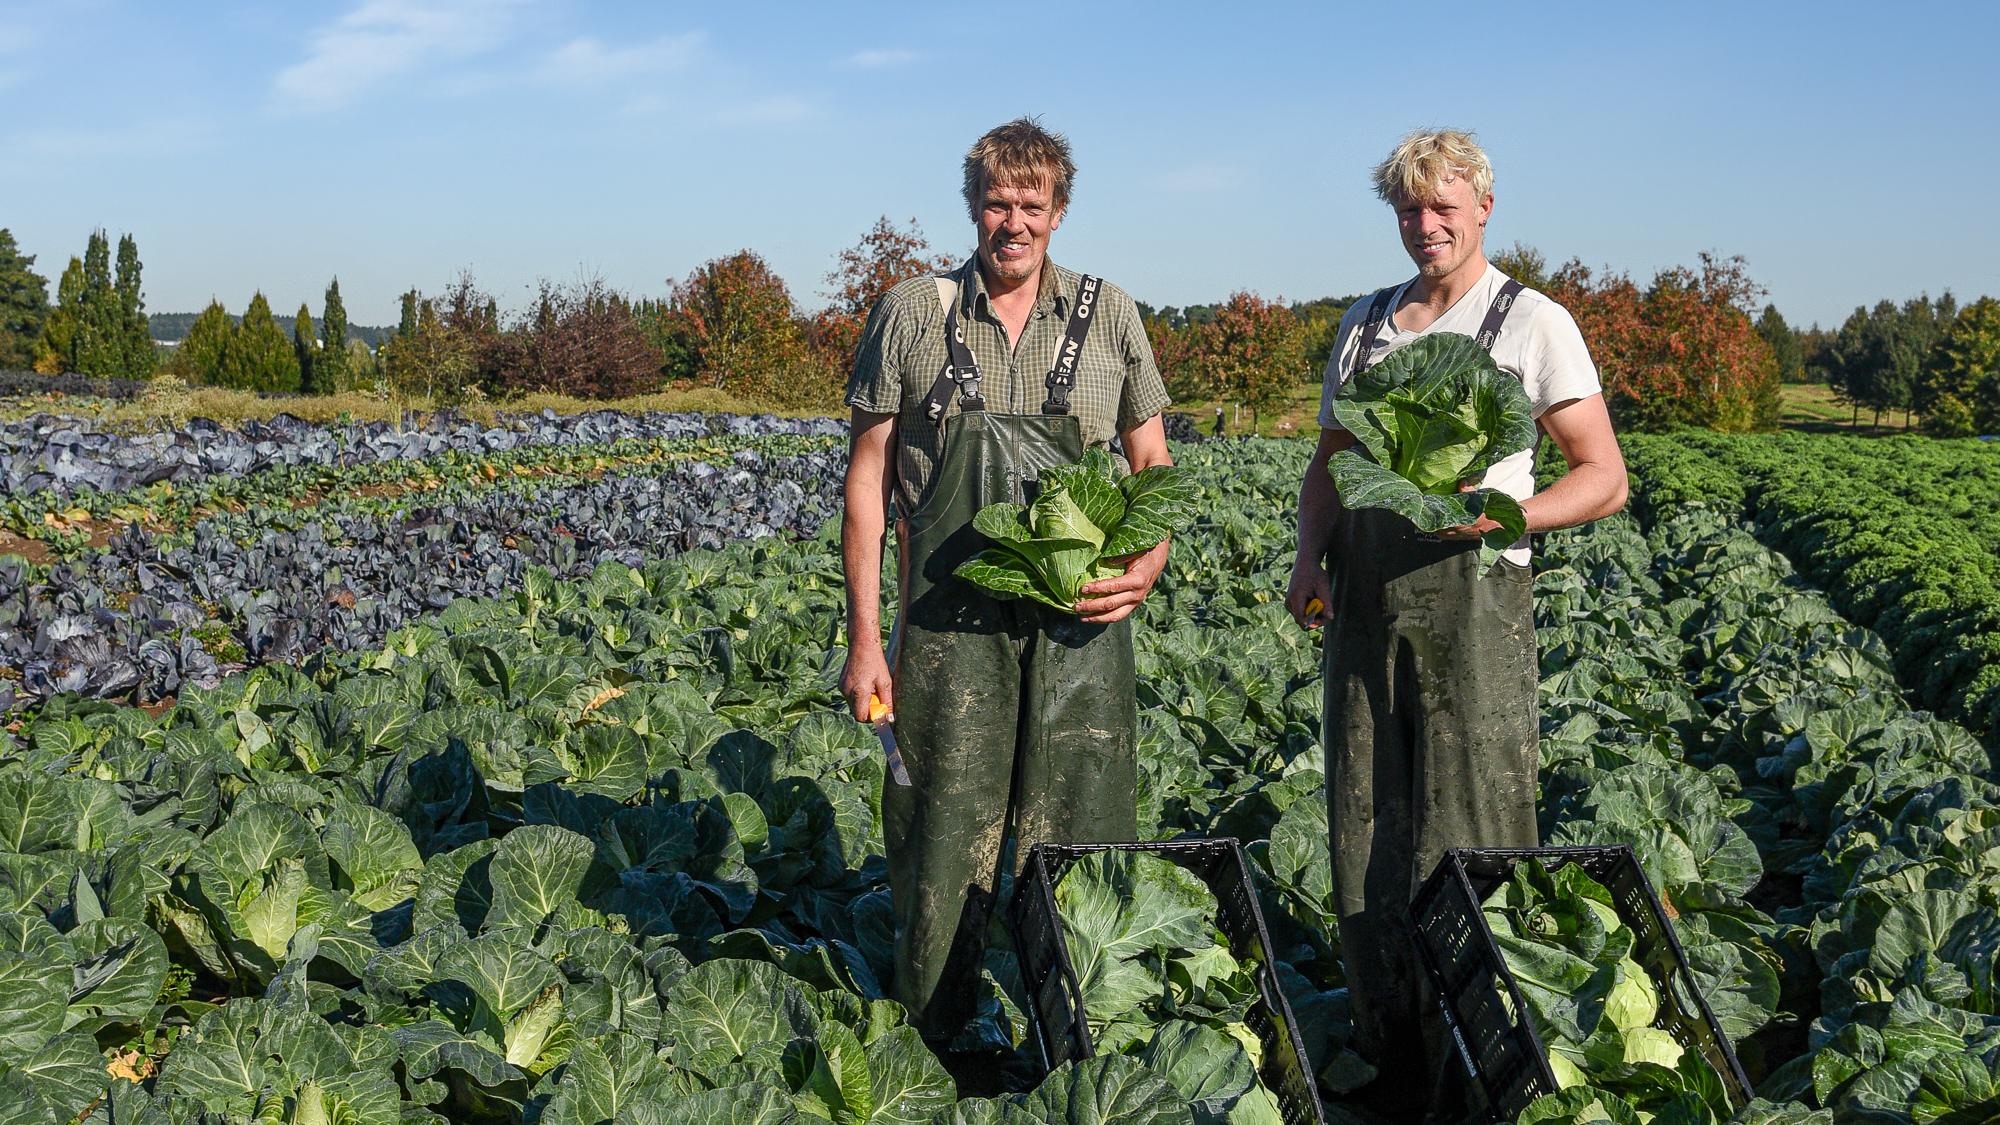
[(1502, 1052), (1055, 997)]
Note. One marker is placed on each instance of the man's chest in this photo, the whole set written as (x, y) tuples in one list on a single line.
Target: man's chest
[(1014, 366)]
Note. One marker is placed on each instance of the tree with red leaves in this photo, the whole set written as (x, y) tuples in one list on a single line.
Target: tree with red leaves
[(1252, 351), (580, 340), (886, 256), (731, 325), (1683, 352)]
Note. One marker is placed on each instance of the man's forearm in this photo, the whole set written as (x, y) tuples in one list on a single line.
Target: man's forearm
[(1587, 492), (1319, 512), (1319, 502), (863, 521), (861, 539)]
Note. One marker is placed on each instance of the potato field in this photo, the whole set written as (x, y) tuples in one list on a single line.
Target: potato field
[(498, 774)]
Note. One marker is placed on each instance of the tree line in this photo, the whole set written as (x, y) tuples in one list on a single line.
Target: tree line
[(1929, 358), (1691, 347)]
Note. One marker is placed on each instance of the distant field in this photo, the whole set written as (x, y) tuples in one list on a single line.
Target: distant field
[(1812, 406)]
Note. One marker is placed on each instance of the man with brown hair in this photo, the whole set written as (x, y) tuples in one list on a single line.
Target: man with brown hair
[(1431, 721), (1017, 723)]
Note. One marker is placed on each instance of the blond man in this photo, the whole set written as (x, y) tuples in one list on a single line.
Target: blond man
[(1431, 720), (1017, 723)]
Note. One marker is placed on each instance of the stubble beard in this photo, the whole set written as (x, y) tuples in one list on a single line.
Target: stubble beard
[(1020, 270)]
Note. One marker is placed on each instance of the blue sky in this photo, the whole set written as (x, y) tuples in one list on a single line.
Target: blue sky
[(1845, 150)]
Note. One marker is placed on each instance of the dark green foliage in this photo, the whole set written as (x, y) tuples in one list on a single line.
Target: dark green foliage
[(1786, 346), (98, 326), (259, 356), (333, 373), (305, 349), (1962, 378), (56, 351), (135, 337), (198, 358), (24, 305), (1877, 359)]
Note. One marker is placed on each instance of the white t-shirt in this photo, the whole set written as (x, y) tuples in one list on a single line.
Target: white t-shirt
[(1538, 344)]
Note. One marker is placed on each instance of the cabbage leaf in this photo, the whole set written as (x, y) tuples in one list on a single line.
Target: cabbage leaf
[(1433, 413)]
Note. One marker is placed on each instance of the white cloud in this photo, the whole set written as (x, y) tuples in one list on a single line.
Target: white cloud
[(879, 58), (588, 61), (384, 39)]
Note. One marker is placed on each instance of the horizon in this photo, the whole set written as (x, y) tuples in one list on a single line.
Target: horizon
[(396, 145)]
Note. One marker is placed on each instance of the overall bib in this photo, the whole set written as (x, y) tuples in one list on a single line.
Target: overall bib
[(1431, 730), (1018, 723)]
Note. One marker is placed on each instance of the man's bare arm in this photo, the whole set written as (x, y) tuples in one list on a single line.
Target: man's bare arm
[(1595, 485), (1591, 488), (863, 525), (1319, 514)]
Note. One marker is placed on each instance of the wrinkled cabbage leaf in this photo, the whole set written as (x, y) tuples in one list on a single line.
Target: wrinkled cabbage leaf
[(1083, 520), (1431, 414)]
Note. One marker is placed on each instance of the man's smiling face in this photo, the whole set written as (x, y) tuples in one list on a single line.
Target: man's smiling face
[(1014, 226), (1446, 230)]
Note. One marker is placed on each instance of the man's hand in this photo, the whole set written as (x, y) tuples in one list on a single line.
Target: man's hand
[(1472, 530), (1310, 594), (866, 673), (1113, 599)]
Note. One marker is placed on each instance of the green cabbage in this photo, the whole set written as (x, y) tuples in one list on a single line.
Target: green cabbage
[(1083, 519), (1434, 412), (1593, 1005)]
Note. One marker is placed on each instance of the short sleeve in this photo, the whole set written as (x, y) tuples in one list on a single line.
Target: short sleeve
[(1337, 362), (876, 383), (1145, 391), (1563, 370)]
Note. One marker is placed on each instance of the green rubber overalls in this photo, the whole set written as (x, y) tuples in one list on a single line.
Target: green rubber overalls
[(1018, 723), (1431, 730)]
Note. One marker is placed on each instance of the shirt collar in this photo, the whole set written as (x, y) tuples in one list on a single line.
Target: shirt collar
[(1049, 294)]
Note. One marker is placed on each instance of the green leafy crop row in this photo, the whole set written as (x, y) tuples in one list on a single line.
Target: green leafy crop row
[(1896, 531)]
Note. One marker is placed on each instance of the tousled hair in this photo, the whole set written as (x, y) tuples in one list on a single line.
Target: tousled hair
[(1020, 153), (1426, 158)]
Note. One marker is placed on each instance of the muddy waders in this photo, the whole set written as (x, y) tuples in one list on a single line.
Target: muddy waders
[(1431, 730), (1018, 723)]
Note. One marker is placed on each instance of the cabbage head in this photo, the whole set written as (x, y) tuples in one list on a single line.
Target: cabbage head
[(1432, 413), (1084, 519)]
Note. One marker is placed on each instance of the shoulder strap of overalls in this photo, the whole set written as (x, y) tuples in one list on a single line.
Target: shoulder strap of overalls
[(1489, 329), (1496, 314), (1062, 372), (960, 368), (1371, 327)]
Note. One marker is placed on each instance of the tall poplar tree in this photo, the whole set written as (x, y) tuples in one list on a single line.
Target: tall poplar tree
[(406, 326), (333, 367), (135, 337), (24, 305), (305, 346), (99, 348)]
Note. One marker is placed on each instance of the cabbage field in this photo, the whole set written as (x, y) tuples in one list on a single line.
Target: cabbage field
[(289, 832)]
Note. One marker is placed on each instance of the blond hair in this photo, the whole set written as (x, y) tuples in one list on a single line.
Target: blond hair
[(1428, 158), (1022, 154)]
